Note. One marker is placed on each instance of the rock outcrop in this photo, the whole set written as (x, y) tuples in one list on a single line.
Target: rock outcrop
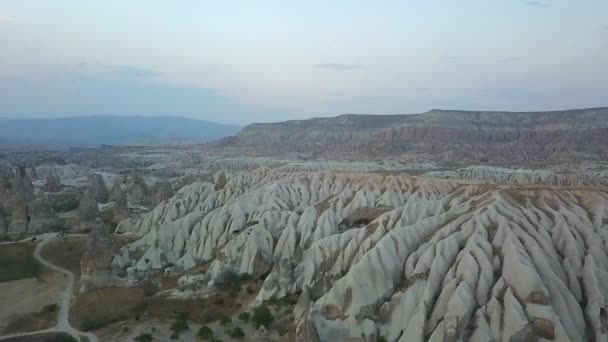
[(52, 184), (96, 262), (500, 175), (22, 184), (5, 184), (220, 180), (140, 194), (450, 136), (19, 214), (88, 211), (42, 218), (3, 221), (121, 207), (439, 260), (98, 188), (161, 191)]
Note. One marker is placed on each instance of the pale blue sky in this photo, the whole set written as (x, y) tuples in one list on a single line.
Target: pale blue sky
[(248, 61)]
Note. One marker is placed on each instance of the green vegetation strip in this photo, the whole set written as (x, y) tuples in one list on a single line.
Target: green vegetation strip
[(17, 262)]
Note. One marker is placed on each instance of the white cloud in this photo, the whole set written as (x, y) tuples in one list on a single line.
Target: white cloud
[(6, 18)]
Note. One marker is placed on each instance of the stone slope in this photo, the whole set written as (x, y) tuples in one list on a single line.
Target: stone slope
[(407, 258), (448, 135), (501, 175)]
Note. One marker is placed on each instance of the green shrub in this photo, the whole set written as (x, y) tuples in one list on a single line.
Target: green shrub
[(237, 332), (205, 333), (66, 204), (244, 316), (381, 339), (143, 338), (261, 316), (179, 324), (50, 308), (64, 337), (225, 321)]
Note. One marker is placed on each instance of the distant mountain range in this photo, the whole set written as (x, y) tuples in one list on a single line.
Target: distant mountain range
[(112, 130), (446, 135)]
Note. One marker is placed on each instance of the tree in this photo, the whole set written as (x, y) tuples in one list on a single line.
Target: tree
[(225, 321), (205, 333), (143, 338), (180, 324), (237, 332), (244, 316), (261, 316)]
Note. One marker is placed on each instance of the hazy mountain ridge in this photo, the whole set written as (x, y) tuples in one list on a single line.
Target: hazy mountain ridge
[(471, 135), (117, 130)]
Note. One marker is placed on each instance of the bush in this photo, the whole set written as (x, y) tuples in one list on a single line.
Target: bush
[(381, 339), (230, 280), (237, 332), (64, 337), (143, 338), (65, 205), (180, 324), (261, 316), (205, 333), (50, 308), (244, 316), (225, 321)]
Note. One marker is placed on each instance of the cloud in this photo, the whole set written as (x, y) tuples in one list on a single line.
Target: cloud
[(6, 18), (130, 71), (88, 89), (508, 60), (453, 58), (124, 72), (338, 66), (513, 93), (537, 4)]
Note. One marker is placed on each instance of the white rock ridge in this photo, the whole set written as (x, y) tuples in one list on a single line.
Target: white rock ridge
[(406, 258)]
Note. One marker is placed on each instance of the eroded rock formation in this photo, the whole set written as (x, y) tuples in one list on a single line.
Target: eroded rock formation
[(98, 188), (96, 261), (161, 191), (19, 214), (140, 194), (439, 260), (42, 218), (88, 211), (52, 184), (3, 221)]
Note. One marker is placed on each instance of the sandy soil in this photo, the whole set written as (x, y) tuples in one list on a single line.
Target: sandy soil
[(24, 296)]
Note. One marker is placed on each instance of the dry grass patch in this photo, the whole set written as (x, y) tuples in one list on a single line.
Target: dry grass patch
[(100, 307), (31, 322), (104, 306), (48, 337), (65, 254)]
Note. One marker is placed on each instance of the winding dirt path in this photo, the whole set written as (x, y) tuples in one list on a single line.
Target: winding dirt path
[(63, 322)]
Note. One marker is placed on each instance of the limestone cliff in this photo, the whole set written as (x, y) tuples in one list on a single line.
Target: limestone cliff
[(448, 135)]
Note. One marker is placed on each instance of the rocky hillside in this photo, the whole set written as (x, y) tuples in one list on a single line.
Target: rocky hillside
[(448, 135), (406, 258)]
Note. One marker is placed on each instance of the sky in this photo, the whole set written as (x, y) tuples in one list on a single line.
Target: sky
[(260, 61)]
